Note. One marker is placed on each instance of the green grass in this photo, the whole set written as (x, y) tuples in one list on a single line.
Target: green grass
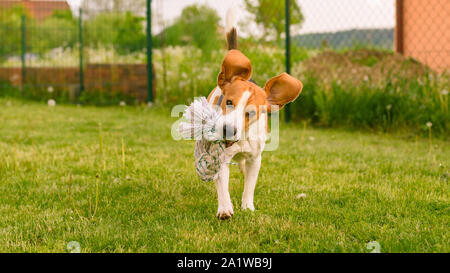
[(63, 178)]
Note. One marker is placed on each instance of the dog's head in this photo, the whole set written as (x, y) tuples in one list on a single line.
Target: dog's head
[(244, 102)]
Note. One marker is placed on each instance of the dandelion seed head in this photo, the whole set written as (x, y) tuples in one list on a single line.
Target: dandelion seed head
[(301, 196), (429, 124), (122, 103), (389, 106), (51, 103), (444, 92)]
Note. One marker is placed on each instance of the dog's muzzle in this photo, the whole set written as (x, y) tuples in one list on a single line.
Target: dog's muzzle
[(229, 131)]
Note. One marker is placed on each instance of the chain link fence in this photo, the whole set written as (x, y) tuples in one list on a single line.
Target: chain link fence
[(96, 51), (90, 53)]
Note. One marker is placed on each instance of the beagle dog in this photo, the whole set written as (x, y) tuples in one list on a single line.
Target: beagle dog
[(245, 107)]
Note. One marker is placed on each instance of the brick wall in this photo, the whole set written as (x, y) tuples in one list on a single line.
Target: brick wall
[(423, 31), (128, 79)]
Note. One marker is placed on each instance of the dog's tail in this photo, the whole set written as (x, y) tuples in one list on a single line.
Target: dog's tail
[(230, 29)]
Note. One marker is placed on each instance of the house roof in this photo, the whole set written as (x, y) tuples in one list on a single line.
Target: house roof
[(37, 9)]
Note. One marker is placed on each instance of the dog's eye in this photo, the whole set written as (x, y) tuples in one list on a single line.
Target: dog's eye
[(229, 102)]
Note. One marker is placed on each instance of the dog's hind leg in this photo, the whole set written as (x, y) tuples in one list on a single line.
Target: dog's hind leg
[(252, 166)]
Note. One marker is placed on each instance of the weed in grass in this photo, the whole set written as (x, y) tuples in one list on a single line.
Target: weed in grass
[(123, 154), (429, 124)]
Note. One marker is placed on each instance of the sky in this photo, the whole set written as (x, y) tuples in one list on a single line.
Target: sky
[(320, 15)]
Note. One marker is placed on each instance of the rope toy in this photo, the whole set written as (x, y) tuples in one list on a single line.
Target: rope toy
[(200, 122)]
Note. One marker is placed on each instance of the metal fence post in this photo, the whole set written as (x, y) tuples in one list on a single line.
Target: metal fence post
[(149, 53), (80, 37), (398, 34), (287, 111), (23, 49)]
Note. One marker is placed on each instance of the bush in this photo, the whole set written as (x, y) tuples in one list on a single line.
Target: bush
[(408, 104), (130, 35), (198, 25), (10, 31), (56, 31), (8, 90), (61, 95), (122, 31), (31, 92)]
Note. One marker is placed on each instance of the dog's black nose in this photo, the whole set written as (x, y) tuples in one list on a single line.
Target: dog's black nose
[(229, 131)]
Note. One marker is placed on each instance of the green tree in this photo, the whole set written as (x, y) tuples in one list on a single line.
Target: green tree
[(270, 15), (10, 31), (123, 31), (130, 36), (57, 31), (198, 25), (101, 29)]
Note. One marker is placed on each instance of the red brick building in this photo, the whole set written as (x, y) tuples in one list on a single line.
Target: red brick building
[(37, 9)]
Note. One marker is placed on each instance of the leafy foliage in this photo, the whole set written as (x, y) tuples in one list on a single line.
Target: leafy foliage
[(123, 31), (58, 30), (10, 31), (130, 35), (198, 25), (375, 90), (271, 16)]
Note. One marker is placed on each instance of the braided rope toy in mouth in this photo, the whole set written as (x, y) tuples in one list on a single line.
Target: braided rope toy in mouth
[(201, 118)]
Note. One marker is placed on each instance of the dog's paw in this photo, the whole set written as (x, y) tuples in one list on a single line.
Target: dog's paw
[(247, 206), (224, 213)]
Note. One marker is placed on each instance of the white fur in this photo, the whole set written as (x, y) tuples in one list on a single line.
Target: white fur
[(231, 21), (216, 93), (246, 150), (235, 117)]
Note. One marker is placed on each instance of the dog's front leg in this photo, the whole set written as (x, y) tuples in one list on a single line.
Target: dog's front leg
[(225, 209), (252, 166)]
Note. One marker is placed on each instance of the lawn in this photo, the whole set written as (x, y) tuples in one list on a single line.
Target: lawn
[(113, 180)]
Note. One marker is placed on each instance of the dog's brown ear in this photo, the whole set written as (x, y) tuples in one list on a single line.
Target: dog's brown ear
[(282, 89), (235, 66)]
